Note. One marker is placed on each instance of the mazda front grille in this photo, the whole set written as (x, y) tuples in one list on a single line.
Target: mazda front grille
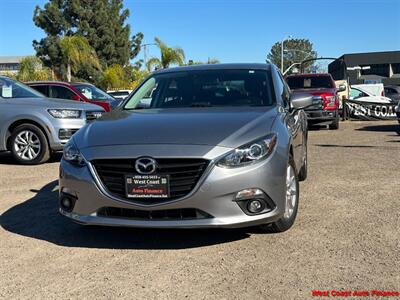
[(183, 173)]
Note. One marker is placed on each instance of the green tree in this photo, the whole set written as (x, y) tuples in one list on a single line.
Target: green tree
[(76, 52), (210, 61), (114, 77), (119, 77), (169, 56), (31, 69), (295, 51), (137, 76), (101, 22)]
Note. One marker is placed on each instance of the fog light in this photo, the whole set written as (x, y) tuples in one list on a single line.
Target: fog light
[(67, 203), (66, 134), (254, 201), (255, 206)]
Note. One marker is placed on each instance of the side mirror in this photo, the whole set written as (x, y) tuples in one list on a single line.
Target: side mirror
[(341, 88), (301, 101)]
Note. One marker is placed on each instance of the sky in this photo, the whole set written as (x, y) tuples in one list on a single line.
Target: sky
[(234, 30)]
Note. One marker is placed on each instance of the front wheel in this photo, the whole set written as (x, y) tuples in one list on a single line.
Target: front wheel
[(335, 124), (303, 170), (291, 202), (29, 145)]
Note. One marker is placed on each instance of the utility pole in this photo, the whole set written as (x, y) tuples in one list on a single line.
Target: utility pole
[(144, 46)]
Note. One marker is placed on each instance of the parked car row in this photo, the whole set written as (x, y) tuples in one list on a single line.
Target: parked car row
[(33, 126), (191, 147), (333, 93)]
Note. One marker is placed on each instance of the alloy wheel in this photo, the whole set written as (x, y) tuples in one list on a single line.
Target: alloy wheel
[(291, 192), (27, 145)]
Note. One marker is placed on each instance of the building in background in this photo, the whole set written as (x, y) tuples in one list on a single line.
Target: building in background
[(373, 67), (10, 64)]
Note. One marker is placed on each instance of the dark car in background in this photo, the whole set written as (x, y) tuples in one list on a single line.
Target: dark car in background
[(321, 85), (393, 92), (78, 91)]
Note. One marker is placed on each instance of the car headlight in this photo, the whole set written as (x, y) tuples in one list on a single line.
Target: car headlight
[(72, 154), (65, 113), (249, 153)]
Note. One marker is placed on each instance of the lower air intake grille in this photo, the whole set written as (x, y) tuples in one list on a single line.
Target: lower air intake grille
[(154, 215)]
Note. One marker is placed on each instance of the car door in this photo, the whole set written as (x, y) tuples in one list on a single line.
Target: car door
[(295, 122), (3, 118)]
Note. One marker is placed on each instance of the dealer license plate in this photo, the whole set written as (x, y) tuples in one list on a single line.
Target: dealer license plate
[(147, 186)]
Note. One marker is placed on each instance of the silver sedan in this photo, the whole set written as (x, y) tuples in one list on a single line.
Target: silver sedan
[(199, 146)]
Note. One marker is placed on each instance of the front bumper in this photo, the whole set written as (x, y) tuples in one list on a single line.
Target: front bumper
[(59, 127), (214, 195), (321, 116)]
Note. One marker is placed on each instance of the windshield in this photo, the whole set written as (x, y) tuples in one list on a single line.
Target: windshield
[(11, 89), (93, 93), (309, 82), (204, 89)]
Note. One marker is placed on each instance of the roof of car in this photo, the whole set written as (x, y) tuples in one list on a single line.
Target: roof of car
[(309, 75), (206, 67), (56, 82)]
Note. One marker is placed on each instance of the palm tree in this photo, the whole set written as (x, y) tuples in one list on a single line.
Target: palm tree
[(169, 56), (77, 51)]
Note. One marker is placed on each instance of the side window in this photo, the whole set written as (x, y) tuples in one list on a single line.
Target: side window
[(355, 93), (61, 92), (284, 90), (41, 89)]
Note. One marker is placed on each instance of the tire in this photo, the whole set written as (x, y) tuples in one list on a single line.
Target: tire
[(290, 213), (334, 125), (29, 145), (303, 170)]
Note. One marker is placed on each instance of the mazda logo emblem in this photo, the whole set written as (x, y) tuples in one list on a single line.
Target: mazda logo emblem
[(145, 165)]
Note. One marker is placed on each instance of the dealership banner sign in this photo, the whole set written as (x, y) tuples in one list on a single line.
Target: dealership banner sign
[(370, 110)]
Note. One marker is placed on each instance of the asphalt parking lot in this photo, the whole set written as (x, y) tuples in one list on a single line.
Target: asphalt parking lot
[(346, 236)]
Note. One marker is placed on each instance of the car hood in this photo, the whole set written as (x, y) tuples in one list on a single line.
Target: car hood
[(55, 103), (315, 91), (226, 127)]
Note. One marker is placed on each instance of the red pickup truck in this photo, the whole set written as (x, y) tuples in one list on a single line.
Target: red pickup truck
[(321, 85)]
